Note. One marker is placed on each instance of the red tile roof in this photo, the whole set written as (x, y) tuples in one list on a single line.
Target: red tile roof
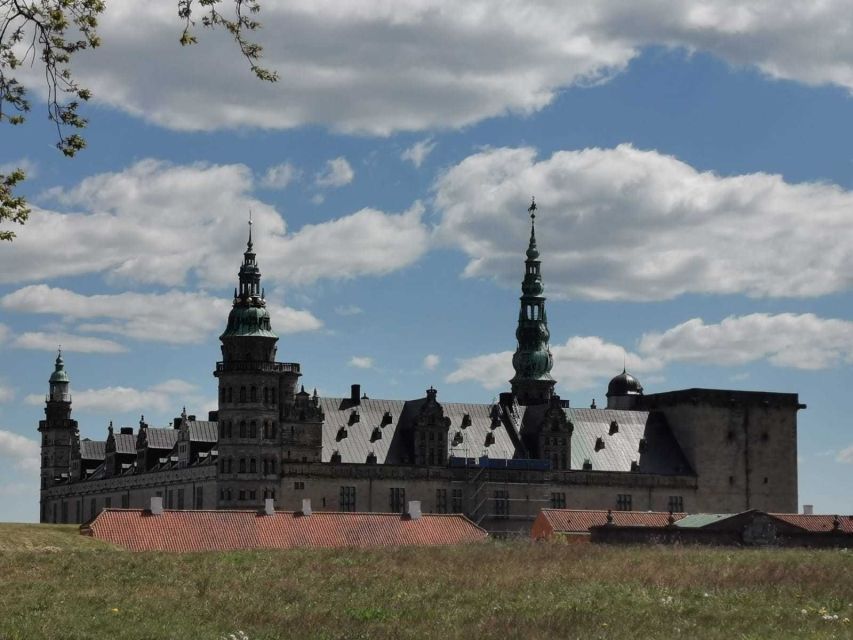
[(139, 530), (816, 522), (578, 521)]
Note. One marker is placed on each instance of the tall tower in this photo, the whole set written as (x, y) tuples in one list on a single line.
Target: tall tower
[(532, 361), (58, 431), (253, 388)]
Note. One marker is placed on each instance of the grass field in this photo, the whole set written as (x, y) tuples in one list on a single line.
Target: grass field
[(57, 584)]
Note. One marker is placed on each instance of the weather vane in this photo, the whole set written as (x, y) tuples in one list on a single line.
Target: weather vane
[(532, 208)]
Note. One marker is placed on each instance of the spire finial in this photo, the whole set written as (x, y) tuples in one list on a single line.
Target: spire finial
[(624, 363), (249, 244), (532, 208)]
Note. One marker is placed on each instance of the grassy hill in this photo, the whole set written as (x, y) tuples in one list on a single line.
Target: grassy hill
[(56, 584)]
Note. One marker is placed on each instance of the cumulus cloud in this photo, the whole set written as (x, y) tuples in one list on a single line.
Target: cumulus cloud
[(7, 393), (845, 455), (280, 176), (336, 173), (23, 453), (802, 341), (144, 316), (377, 67), (418, 152), (581, 363), (168, 395), (160, 223), (4, 333), (431, 361), (49, 341), (361, 362), (626, 224)]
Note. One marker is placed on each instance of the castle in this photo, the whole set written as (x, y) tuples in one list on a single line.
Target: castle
[(692, 450)]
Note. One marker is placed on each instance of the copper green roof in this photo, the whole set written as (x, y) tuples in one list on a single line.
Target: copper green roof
[(248, 321), (59, 373), (699, 520)]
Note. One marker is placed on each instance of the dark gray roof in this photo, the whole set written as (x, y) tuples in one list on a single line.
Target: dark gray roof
[(661, 454), (203, 431), (390, 448), (125, 443), (92, 449), (162, 438)]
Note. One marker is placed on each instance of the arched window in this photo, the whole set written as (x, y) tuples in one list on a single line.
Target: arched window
[(272, 395), (253, 467), (228, 428), (253, 429), (266, 395), (242, 465), (230, 395), (242, 394), (242, 428), (272, 466), (254, 394), (272, 431)]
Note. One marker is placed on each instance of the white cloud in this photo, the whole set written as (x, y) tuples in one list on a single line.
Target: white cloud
[(625, 224), (22, 452), (145, 316), (44, 341), (280, 176), (7, 393), (845, 455), (418, 152), (800, 341), (168, 395), (349, 310), (336, 173), (4, 333), (431, 361), (159, 223), (361, 362), (581, 363), (379, 67), (29, 167)]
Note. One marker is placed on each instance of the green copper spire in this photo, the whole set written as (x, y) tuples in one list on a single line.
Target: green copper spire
[(59, 373), (249, 316), (532, 361)]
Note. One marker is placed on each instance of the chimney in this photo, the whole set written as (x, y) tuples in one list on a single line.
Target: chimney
[(269, 507), (355, 394), (306, 506), (414, 510), (808, 509), (156, 505)]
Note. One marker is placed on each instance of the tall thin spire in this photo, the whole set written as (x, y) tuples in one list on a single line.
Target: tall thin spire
[(532, 361), (249, 244)]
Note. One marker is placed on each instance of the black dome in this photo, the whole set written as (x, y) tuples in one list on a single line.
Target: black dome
[(624, 385)]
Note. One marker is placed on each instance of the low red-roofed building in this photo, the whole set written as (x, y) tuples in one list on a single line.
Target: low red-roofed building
[(817, 522), (573, 525), (220, 530)]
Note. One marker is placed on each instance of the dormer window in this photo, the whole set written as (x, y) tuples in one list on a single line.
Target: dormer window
[(614, 427), (599, 443)]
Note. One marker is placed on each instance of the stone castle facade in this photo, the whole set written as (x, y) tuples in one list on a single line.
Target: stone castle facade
[(693, 450)]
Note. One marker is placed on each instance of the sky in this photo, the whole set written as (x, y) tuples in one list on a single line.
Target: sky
[(691, 161)]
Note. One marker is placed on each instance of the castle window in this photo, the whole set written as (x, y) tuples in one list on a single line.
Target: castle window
[(125, 501), (266, 395), (199, 497), (64, 510), (229, 428), (676, 504), (253, 429), (242, 428), (253, 495), (272, 431), (563, 461), (242, 394), (254, 394), (228, 494), (242, 495), (501, 503), (299, 485), (347, 502), (623, 502), (266, 465), (441, 500), (397, 499), (180, 498), (242, 465), (456, 501), (230, 395), (253, 466), (272, 395), (221, 394), (558, 500), (229, 461), (266, 430)]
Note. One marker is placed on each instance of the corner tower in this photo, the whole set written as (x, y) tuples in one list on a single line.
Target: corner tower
[(253, 389), (532, 383), (58, 432)]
